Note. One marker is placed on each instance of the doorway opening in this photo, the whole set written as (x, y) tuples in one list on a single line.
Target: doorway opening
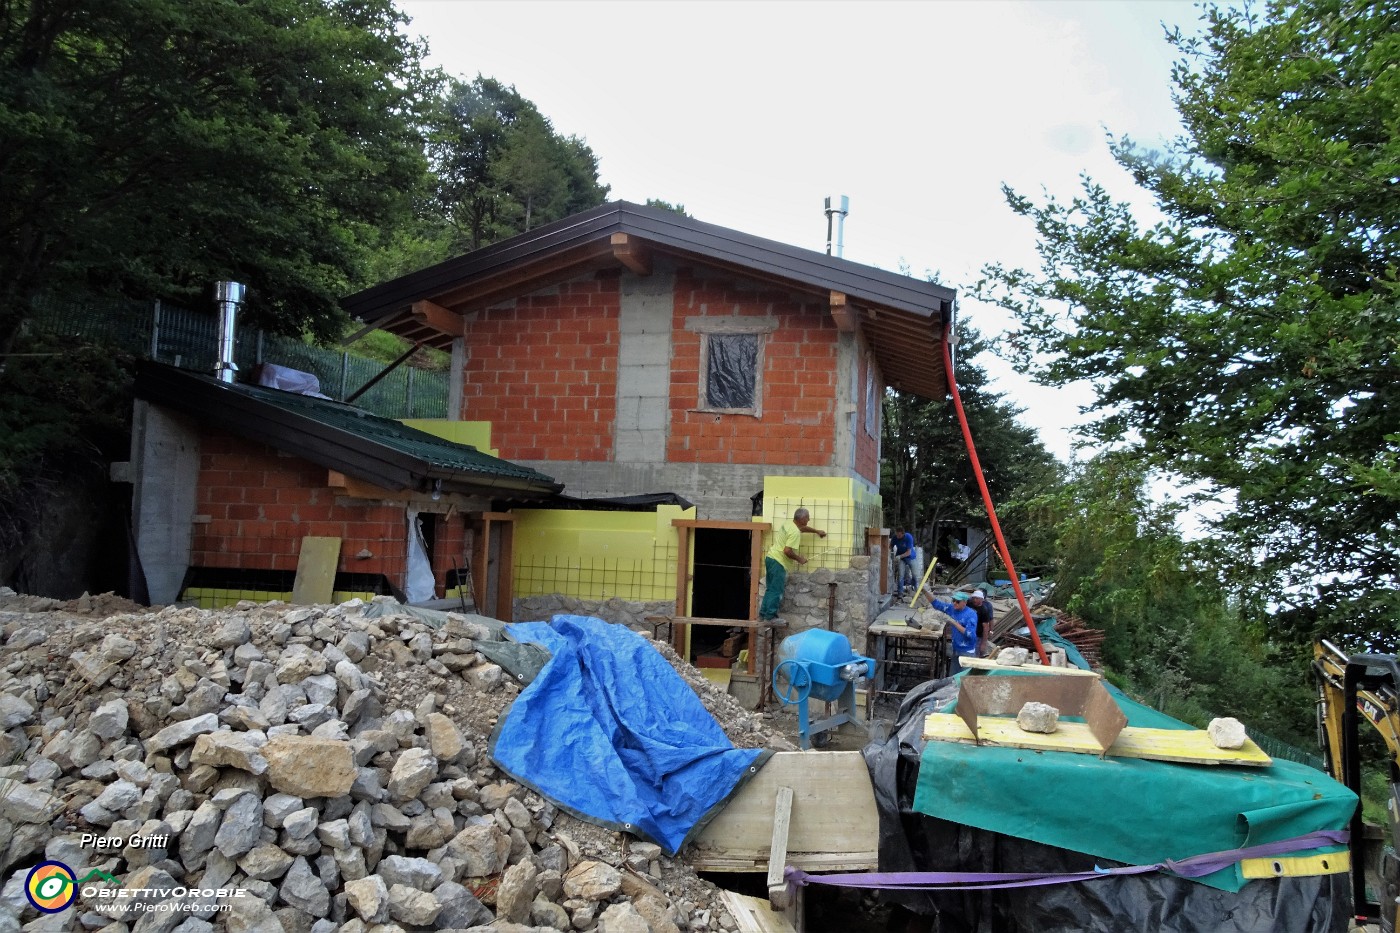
[(720, 587)]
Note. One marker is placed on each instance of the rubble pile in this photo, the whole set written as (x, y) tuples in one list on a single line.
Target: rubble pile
[(1088, 641), (330, 764)]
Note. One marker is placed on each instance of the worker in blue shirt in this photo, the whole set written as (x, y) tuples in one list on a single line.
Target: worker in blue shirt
[(963, 626)]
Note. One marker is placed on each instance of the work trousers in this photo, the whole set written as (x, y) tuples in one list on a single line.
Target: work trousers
[(906, 574), (775, 576)]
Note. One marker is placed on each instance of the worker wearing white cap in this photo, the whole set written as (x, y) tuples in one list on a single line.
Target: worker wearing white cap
[(977, 602), (963, 626)]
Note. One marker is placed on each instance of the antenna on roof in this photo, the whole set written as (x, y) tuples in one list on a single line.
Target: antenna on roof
[(842, 211)]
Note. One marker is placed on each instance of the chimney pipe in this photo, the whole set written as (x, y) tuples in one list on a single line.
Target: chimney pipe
[(229, 295)]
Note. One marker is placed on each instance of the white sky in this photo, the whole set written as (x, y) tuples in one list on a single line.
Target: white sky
[(751, 113)]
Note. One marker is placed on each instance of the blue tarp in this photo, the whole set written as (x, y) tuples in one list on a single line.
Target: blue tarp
[(610, 732)]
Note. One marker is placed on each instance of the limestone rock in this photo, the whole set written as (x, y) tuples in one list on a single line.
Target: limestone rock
[(411, 906), (1013, 657), (309, 767), (622, 918), (1227, 732), (242, 750), (181, 732), (1038, 717), (415, 769), (592, 881), (369, 898), (444, 738), (517, 892)]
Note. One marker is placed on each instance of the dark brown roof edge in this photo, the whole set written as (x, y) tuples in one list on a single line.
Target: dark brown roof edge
[(666, 229)]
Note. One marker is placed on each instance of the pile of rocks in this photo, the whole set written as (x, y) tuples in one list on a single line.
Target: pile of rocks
[(278, 768)]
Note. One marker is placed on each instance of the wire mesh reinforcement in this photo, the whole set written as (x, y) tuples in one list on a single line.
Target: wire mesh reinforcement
[(189, 339), (844, 521), (585, 577)]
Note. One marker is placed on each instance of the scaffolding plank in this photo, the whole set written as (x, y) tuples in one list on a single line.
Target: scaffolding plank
[(834, 824), (1032, 667), (1187, 746)]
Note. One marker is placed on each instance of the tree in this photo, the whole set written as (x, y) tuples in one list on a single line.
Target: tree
[(501, 168), (927, 480), (667, 206), (1248, 339), (1175, 636), (151, 147)]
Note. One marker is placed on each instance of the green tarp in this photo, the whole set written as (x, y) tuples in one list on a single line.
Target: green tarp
[(1130, 810)]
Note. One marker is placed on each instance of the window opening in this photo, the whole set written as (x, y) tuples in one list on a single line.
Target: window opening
[(731, 370)]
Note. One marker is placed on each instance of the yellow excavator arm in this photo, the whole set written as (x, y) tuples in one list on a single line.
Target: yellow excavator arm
[(1351, 688)]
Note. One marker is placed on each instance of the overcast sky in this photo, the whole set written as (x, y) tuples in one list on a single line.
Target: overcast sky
[(751, 113)]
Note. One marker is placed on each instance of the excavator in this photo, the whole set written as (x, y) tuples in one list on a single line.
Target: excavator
[(1350, 688)]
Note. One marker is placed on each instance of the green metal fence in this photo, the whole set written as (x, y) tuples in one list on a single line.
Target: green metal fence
[(190, 340)]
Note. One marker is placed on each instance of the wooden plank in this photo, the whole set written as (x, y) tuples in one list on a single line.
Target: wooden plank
[(988, 664), (754, 914), (720, 523), (1186, 746), (777, 860), (505, 571), (834, 825), (729, 623), (315, 580)]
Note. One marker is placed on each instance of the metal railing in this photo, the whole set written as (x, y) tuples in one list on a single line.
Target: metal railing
[(189, 340)]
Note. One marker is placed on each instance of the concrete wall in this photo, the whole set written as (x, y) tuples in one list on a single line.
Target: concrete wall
[(164, 466), (644, 367)]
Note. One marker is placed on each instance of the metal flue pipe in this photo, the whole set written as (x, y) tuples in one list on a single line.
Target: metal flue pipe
[(229, 296)]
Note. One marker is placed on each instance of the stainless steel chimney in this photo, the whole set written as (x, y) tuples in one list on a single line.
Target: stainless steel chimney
[(229, 295)]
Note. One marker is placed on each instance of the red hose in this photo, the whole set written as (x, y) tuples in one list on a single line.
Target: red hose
[(1002, 549)]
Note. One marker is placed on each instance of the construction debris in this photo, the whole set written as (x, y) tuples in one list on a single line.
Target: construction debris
[(331, 764), (1088, 641), (1013, 657)]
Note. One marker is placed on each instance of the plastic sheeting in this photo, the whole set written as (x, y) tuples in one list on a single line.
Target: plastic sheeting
[(913, 841), (609, 732), (1177, 810)]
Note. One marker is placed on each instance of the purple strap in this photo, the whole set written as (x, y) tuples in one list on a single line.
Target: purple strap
[(1195, 866)]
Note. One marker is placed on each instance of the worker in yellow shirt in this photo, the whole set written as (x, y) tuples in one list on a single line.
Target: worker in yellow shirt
[(782, 557)]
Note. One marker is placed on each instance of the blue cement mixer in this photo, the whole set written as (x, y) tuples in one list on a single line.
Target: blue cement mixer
[(817, 664)]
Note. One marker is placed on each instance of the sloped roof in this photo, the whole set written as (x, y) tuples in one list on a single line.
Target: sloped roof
[(902, 318), (340, 437)]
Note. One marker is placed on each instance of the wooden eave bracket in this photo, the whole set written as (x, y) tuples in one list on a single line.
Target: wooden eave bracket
[(440, 319), (843, 313), (631, 253)]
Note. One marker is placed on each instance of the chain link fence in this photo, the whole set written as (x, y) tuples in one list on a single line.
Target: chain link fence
[(190, 340)]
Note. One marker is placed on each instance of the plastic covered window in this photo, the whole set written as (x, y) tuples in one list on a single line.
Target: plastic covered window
[(731, 371)]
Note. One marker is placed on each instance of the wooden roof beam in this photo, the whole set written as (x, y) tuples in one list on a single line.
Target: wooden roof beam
[(435, 316), (842, 313), (632, 253)]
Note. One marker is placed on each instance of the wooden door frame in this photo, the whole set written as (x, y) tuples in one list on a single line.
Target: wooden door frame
[(685, 529), (481, 525)]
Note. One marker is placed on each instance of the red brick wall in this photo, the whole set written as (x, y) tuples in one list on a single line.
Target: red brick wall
[(261, 504), (799, 379), (544, 372), (867, 445)]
